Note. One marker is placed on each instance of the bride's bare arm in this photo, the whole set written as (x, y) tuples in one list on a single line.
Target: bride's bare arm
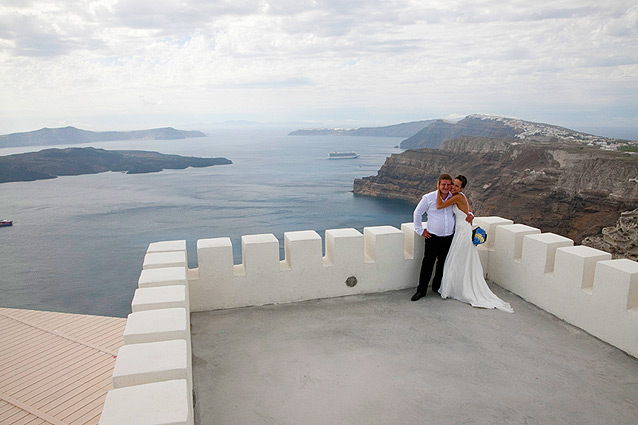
[(444, 204), (461, 201)]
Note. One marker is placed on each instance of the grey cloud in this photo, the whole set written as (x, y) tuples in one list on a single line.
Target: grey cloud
[(276, 83), (174, 16), (24, 4), (323, 18), (334, 7), (319, 25), (613, 61), (34, 38), (41, 45), (483, 12)]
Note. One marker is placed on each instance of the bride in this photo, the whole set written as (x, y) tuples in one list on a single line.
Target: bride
[(463, 274)]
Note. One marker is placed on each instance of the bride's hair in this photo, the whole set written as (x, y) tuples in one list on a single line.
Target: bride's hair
[(463, 180)]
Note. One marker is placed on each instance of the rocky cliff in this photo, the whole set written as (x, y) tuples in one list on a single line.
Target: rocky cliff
[(567, 189), (621, 240)]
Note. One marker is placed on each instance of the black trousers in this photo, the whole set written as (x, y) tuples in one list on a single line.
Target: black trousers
[(436, 249)]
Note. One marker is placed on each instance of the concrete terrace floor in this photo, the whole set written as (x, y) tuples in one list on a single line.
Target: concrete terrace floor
[(382, 359)]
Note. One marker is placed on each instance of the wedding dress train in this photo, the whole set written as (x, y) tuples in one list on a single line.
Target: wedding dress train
[(463, 273)]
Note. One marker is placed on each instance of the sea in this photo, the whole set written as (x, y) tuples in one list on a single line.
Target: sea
[(78, 242)]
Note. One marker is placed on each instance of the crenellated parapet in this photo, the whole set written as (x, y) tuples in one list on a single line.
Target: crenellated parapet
[(578, 284), (153, 372), (379, 259)]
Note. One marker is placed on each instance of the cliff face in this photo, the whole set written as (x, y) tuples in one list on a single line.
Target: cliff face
[(621, 240), (569, 190)]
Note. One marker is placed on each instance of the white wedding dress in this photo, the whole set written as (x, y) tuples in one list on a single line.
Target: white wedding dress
[(463, 273)]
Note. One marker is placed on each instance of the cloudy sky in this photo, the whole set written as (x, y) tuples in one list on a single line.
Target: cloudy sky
[(131, 64)]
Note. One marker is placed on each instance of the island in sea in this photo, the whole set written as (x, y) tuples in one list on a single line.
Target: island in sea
[(406, 129), (72, 135), (51, 163)]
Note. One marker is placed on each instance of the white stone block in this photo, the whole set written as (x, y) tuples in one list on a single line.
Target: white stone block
[(613, 315), (260, 254), (504, 265), (139, 364), (159, 403), (344, 247), (489, 224), (617, 282), (510, 239), (157, 325), (575, 266), (383, 244), (166, 246), (303, 250), (215, 258), (539, 252), (165, 276), (413, 244), (160, 297), (165, 259)]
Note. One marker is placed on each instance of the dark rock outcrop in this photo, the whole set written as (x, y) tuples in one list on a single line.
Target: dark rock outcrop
[(567, 189), (51, 163), (72, 135)]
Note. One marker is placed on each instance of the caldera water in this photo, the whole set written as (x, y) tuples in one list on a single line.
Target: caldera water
[(78, 242)]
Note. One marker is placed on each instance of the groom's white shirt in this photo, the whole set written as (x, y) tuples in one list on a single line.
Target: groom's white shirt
[(440, 222)]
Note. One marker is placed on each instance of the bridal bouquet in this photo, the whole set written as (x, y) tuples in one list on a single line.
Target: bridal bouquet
[(479, 236)]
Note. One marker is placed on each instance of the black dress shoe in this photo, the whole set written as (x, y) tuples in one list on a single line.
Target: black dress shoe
[(417, 296)]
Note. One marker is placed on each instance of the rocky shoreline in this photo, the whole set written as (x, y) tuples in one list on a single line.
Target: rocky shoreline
[(568, 189)]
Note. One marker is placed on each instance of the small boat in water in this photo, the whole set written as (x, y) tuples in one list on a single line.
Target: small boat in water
[(6, 223), (343, 155)]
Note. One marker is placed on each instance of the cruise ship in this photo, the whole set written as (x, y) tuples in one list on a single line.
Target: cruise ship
[(343, 155)]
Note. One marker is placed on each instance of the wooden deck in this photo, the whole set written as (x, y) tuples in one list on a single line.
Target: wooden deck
[(55, 368)]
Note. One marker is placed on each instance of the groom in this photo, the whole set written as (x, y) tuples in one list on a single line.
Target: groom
[(438, 234)]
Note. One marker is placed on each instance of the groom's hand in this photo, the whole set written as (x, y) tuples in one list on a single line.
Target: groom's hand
[(426, 234)]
